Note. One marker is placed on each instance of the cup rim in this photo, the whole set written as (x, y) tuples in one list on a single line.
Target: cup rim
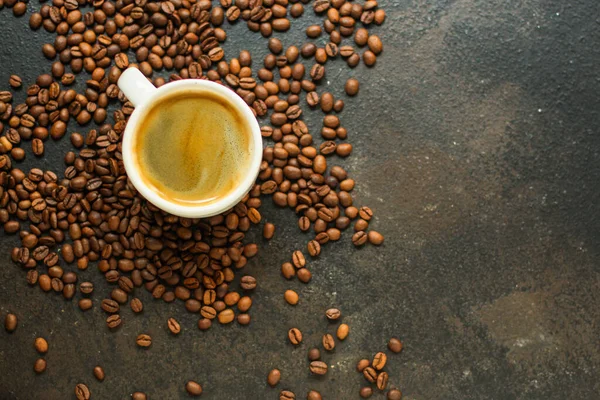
[(200, 211)]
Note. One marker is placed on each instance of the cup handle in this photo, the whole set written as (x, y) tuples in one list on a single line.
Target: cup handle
[(135, 86)]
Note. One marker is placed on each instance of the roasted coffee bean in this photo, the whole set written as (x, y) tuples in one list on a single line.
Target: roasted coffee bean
[(136, 305), (10, 322), (139, 396), (362, 364), (193, 388), (370, 374), (382, 380), (314, 248), (248, 282), (99, 373), (41, 345), (314, 395), (379, 361), (291, 297), (39, 366), (85, 304), (314, 354), (268, 231), (173, 326), (351, 87), (295, 336), (274, 377), (143, 340), (394, 394), (113, 321), (342, 331), (366, 392), (286, 394), (15, 81), (395, 345), (328, 342), (375, 44), (318, 367), (359, 238), (82, 392), (110, 306), (333, 314)]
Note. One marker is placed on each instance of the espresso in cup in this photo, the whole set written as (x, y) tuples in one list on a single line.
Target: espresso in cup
[(192, 147)]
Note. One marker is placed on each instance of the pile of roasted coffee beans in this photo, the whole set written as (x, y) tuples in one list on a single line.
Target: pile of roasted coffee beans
[(371, 370), (90, 213)]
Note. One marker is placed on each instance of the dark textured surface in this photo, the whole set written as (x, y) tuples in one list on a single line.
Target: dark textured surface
[(476, 145)]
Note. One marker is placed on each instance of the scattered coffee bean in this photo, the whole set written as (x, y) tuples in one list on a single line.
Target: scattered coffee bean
[(342, 331), (291, 297), (274, 377), (314, 354), (370, 374), (362, 364), (318, 368), (41, 345), (382, 380), (394, 394), (333, 314), (295, 336), (268, 231), (313, 395), (375, 238), (193, 388), (352, 87), (143, 340), (99, 373), (366, 392), (395, 345), (173, 326), (39, 365), (379, 361), (136, 305), (10, 322), (138, 396), (82, 392), (328, 342), (287, 395)]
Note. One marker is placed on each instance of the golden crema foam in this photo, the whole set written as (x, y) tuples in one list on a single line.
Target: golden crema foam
[(192, 147)]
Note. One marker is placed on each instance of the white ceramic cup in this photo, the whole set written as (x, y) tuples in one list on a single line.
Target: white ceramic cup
[(143, 95)]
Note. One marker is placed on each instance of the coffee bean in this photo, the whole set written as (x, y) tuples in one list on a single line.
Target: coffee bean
[(143, 340), (226, 316), (82, 392), (318, 367), (10, 322), (268, 231), (395, 345), (382, 380), (375, 45), (313, 31), (136, 305), (342, 331), (320, 5), (314, 354), (370, 374), (313, 395), (204, 324), (138, 396), (37, 147), (110, 306), (99, 373), (328, 342), (362, 364), (314, 248), (333, 314), (359, 238), (248, 282), (366, 392), (41, 345), (85, 304), (379, 361), (351, 87), (286, 395), (173, 326), (295, 336), (193, 388), (394, 394), (113, 321), (274, 377), (39, 366), (317, 72), (298, 259), (291, 297), (15, 81)]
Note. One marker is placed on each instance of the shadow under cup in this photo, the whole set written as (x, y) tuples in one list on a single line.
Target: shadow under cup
[(192, 148)]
